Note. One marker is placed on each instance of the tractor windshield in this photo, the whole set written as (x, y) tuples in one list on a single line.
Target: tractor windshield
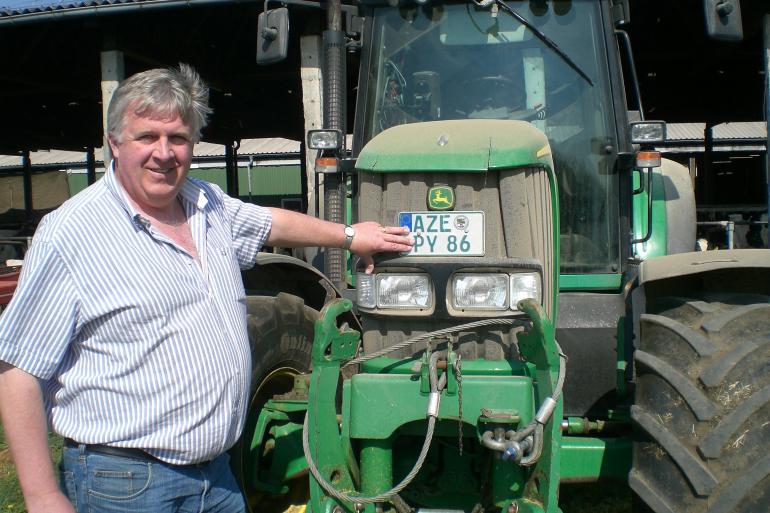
[(463, 61)]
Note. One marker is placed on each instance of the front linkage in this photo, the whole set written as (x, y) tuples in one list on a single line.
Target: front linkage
[(503, 412)]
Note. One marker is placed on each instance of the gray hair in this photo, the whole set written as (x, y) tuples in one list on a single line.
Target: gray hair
[(161, 92)]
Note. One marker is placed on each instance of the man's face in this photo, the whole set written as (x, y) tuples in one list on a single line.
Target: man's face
[(152, 157)]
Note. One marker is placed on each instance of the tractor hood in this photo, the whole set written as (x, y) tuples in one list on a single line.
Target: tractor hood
[(456, 146)]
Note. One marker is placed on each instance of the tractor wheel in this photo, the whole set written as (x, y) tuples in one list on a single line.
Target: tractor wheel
[(281, 331), (703, 406)]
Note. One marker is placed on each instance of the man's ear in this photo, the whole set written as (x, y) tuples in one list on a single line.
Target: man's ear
[(114, 146)]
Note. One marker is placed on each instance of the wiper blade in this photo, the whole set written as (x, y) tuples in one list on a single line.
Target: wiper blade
[(545, 39)]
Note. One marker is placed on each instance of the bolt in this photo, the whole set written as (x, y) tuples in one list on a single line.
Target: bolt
[(513, 507)]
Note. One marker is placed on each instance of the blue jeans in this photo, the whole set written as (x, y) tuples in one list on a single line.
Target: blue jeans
[(99, 483)]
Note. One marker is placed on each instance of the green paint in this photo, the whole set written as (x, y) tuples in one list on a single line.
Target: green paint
[(265, 180), (386, 365), (538, 346), (79, 181), (568, 282), (280, 437), (384, 411), (376, 466), (328, 447), (455, 146), (269, 184), (588, 458), (656, 245), (398, 400)]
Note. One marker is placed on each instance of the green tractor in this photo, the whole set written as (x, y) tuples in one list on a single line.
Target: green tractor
[(499, 133)]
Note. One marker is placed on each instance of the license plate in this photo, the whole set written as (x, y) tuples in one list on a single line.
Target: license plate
[(445, 233)]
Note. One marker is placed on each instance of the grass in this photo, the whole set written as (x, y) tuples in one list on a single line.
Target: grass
[(588, 498), (11, 499)]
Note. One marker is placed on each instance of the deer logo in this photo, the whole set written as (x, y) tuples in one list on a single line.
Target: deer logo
[(441, 198)]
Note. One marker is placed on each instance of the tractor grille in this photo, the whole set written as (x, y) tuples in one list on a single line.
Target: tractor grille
[(516, 203), (518, 224)]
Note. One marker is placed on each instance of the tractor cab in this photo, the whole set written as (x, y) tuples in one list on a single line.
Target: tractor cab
[(544, 63)]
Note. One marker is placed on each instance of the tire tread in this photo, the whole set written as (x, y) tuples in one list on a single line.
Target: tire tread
[(689, 359)]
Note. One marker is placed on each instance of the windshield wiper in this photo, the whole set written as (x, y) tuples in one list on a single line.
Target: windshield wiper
[(545, 39)]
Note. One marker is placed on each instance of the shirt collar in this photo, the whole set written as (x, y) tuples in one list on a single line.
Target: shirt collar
[(190, 193), (193, 194)]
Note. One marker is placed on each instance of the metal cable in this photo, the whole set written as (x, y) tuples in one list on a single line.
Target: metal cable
[(530, 428), (537, 448), (438, 333), (436, 385)]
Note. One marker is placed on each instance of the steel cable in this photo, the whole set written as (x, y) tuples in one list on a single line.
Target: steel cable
[(437, 333), (436, 386)]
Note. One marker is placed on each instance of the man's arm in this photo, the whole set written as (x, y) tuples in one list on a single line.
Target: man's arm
[(23, 417), (292, 229)]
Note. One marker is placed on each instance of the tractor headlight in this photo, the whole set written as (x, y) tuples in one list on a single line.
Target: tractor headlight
[(480, 291), (397, 291), (523, 286), (492, 291)]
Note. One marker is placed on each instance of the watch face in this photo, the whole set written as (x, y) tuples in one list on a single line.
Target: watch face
[(349, 231)]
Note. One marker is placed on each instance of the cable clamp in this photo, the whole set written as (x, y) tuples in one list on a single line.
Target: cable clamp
[(434, 399), (545, 411)]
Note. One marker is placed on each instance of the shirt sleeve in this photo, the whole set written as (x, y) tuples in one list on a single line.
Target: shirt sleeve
[(250, 227), (42, 318)]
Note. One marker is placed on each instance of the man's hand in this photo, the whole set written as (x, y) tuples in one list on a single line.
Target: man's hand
[(374, 238)]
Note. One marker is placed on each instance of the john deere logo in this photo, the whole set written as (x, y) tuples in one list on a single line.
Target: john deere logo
[(441, 198)]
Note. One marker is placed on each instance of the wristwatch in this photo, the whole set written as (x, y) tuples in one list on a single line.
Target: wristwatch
[(350, 232)]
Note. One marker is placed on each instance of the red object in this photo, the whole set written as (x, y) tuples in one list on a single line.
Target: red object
[(9, 278)]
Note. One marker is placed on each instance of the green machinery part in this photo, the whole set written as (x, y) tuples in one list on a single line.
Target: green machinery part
[(353, 428), (351, 443)]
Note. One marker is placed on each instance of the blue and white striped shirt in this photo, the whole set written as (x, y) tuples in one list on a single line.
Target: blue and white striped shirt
[(136, 344)]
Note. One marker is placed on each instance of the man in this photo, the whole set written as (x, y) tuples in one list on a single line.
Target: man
[(128, 331)]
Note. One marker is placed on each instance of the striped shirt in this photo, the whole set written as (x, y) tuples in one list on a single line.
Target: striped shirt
[(135, 343)]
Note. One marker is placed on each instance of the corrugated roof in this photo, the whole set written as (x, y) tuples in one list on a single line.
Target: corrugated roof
[(249, 147), (751, 130), (268, 146), (685, 131), (10, 8), (735, 131)]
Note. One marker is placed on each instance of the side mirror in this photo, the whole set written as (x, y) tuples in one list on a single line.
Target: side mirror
[(273, 36), (723, 19)]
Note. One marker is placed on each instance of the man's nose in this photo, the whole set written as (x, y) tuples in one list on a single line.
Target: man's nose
[(164, 150)]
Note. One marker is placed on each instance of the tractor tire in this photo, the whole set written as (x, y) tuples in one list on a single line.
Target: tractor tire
[(281, 331), (702, 408)]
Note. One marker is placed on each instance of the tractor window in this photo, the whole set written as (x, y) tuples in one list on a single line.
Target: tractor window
[(461, 61)]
